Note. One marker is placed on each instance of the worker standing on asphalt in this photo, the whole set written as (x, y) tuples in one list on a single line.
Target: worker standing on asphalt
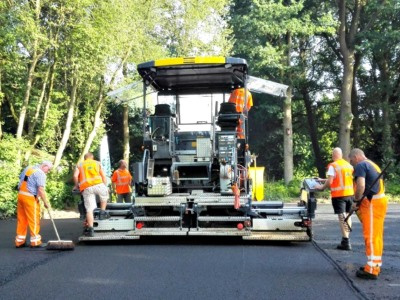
[(31, 187), (121, 182), (372, 211), (90, 179), (340, 182)]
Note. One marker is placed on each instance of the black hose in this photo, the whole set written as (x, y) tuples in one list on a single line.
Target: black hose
[(360, 294)]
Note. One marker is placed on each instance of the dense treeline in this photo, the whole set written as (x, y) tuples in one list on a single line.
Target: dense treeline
[(341, 61), (59, 59)]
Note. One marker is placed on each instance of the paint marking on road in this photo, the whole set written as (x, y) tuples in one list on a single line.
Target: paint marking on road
[(394, 284)]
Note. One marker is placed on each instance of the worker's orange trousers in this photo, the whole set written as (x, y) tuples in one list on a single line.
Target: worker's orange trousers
[(372, 215), (28, 214)]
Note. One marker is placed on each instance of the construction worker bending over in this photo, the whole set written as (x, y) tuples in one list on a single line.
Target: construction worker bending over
[(372, 211), (31, 187), (91, 181), (340, 182), (121, 182)]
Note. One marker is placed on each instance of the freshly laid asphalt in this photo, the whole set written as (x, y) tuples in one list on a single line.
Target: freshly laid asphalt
[(211, 268), (327, 236)]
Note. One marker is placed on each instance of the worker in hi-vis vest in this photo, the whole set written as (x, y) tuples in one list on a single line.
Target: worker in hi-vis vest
[(372, 211), (340, 182), (121, 182), (239, 97), (31, 188), (90, 179)]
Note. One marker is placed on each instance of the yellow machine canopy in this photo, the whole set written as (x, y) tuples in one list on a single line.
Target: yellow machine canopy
[(205, 74)]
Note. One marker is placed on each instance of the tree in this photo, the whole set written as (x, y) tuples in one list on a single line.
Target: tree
[(269, 34), (347, 40)]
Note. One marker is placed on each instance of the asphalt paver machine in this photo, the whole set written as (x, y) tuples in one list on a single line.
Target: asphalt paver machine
[(194, 175)]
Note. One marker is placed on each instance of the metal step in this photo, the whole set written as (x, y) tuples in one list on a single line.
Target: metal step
[(218, 232), (113, 224), (278, 223), (150, 168), (222, 219), (159, 231), (278, 236), (282, 211), (108, 236), (158, 219)]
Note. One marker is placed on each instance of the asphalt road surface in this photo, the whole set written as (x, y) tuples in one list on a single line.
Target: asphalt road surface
[(182, 268)]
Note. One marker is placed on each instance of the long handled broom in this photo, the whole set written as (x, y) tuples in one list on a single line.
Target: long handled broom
[(59, 244)]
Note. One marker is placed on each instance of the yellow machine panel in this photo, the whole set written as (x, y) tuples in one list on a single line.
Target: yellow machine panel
[(257, 176)]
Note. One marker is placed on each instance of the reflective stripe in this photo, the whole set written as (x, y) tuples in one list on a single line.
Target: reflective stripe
[(342, 187), (36, 238), (374, 264), (371, 230), (20, 238), (26, 194), (372, 257), (378, 196), (35, 206), (121, 179)]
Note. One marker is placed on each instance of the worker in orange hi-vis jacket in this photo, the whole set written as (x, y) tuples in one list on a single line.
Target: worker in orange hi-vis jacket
[(31, 187), (121, 182), (340, 182), (90, 179), (372, 211), (243, 102)]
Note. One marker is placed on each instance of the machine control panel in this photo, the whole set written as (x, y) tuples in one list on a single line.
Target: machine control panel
[(310, 183), (226, 146)]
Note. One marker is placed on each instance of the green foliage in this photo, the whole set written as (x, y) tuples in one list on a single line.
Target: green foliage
[(9, 173), (392, 187), (8, 184), (59, 189), (278, 190)]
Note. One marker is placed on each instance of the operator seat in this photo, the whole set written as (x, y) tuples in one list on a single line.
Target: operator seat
[(163, 110), (228, 118)]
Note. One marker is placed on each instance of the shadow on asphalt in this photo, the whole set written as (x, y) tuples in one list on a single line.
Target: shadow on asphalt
[(196, 241)]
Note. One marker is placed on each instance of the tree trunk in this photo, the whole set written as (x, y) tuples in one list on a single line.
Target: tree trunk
[(34, 119), (126, 132), (36, 137), (287, 120), (347, 46), (125, 119), (346, 117), (319, 162), (312, 127), (354, 104), (29, 81), (96, 122), (387, 148), (288, 137), (68, 123)]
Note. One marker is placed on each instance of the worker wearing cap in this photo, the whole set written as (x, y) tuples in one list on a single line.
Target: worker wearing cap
[(121, 182), (243, 102), (340, 182), (90, 179), (31, 188), (372, 211)]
